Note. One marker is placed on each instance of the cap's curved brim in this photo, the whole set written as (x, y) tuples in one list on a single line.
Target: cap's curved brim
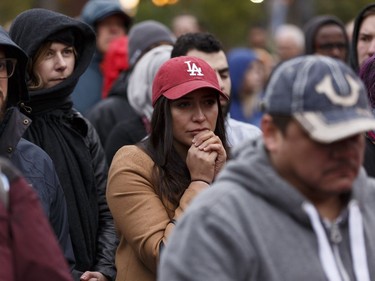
[(334, 126), (183, 89)]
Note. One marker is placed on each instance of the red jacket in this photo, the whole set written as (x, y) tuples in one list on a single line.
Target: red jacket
[(115, 60)]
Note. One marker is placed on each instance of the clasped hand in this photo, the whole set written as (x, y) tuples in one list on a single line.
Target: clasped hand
[(206, 156)]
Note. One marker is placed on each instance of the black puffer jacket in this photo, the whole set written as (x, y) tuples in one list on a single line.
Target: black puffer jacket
[(71, 141)]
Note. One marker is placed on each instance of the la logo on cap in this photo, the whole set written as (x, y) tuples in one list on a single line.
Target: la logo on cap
[(193, 69)]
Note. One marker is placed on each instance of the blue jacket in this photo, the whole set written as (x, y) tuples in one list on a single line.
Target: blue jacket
[(239, 60), (38, 169)]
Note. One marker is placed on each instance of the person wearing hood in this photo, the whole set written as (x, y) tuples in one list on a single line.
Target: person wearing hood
[(106, 114), (60, 48), (296, 203), (248, 77), (35, 165), (363, 38), (110, 22), (326, 35)]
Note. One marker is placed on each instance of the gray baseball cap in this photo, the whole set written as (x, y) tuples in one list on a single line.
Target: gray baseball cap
[(323, 94)]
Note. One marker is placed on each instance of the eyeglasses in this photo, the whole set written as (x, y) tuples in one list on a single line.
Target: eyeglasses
[(7, 67), (332, 46)]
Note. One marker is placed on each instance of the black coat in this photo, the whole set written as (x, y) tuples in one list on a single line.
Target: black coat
[(114, 109), (127, 132), (71, 141)]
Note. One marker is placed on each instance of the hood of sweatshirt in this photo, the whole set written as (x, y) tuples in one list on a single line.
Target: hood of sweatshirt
[(239, 60), (140, 80), (312, 26), (256, 202), (250, 168), (31, 29)]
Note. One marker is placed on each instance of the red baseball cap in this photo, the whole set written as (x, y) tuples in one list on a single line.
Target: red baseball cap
[(180, 76)]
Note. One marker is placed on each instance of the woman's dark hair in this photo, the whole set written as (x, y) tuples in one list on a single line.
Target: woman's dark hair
[(170, 175)]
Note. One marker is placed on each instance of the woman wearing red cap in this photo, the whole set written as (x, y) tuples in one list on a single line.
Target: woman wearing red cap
[(151, 184)]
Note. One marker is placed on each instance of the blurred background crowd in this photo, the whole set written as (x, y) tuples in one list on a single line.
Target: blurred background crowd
[(228, 20)]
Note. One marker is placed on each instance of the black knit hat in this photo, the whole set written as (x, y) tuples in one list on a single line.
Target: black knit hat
[(65, 36), (145, 34)]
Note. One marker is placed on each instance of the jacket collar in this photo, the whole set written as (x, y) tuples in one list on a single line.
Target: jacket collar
[(13, 127)]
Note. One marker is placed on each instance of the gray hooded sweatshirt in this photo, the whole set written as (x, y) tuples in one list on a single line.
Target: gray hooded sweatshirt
[(253, 225)]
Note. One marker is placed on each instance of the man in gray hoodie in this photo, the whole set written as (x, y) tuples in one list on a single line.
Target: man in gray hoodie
[(294, 204)]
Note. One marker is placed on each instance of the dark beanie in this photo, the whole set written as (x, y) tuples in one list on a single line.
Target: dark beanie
[(144, 35)]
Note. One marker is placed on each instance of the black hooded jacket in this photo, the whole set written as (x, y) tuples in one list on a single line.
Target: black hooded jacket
[(312, 26), (353, 57), (36, 166), (71, 141)]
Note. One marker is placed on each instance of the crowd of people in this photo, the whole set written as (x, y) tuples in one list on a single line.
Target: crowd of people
[(140, 151)]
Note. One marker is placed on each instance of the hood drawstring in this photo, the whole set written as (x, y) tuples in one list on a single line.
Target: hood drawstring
[(357, 243), (325, 252)]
